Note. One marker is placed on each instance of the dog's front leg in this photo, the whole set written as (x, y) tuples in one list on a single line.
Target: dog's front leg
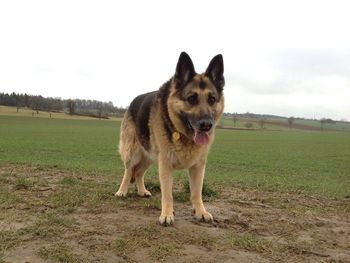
[(166, 184), (196, 176)]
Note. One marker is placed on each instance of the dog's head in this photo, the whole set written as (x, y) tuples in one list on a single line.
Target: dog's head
[(196, 100)]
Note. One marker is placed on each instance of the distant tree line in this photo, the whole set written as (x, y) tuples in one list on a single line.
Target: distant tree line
[(259, 117), (92, 108)]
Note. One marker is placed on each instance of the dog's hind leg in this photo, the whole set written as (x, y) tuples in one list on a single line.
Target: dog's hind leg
[(130, 153), (139, 174), (135, 173), (132, 166)]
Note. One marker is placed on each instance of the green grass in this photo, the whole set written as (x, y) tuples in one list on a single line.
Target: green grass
[(163, 242), (310, 162), (23, 183), (340, 126), (249, 242), (80, 145), (8, 198), (59, 252), (209, 193)]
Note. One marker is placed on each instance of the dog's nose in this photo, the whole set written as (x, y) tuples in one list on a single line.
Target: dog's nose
[(205, 124)]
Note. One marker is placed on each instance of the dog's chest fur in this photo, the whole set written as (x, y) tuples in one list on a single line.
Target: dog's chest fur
[(181, 153)]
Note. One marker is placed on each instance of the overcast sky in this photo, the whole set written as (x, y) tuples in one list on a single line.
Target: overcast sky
[(289, 58)]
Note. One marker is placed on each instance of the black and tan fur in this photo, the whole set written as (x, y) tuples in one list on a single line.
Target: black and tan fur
[(175, 127)]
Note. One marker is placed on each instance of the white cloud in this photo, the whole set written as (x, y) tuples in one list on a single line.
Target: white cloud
[(276, 53)]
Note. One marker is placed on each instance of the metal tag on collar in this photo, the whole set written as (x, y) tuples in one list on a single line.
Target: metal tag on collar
[(176, 136)]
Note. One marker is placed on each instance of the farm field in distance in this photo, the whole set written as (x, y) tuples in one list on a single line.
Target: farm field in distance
[(276, 194)]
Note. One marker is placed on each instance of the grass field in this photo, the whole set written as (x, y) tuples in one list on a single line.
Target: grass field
[(281, 124), (276, 196), (310, 162), (82, 145)]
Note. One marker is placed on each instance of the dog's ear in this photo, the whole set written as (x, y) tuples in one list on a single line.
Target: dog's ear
[(215, 72), (184, 70)]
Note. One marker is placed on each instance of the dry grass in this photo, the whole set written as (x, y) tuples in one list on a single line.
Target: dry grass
[(66, 217)]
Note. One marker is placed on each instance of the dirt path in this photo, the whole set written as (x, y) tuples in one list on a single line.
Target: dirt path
[(55, 216)]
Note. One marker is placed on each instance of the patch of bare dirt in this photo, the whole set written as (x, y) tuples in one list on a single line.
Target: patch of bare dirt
[(42, 225)]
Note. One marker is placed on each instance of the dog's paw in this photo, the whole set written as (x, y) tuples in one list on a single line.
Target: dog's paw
[(166, 220), (203, 216), (121, 193), (144, 193)]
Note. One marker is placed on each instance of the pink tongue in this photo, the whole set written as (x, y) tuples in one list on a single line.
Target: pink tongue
[(201, 138)]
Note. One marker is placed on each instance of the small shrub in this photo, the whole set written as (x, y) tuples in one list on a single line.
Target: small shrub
[(248, 125), (153, 187), (23, 183), (208, 192)]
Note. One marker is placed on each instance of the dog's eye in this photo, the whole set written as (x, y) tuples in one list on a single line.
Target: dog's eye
[(211, 100), (192, 100)]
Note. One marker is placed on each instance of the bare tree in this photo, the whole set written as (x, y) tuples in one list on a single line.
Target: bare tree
[(71, 107), (99, 110), (18, 100), (234, 118), (262, 123), (324, 121), (36, 102), (290, 122)]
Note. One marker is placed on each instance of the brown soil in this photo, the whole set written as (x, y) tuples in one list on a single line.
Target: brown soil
[(250, 225)]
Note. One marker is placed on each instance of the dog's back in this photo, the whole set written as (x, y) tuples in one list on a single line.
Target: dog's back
[(139, 110)]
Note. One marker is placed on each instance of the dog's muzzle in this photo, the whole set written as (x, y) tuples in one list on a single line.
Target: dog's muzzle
[(205, 124), (202, 128)]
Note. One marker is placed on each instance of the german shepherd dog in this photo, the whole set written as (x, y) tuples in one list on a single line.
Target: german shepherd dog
[(175, 127)]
